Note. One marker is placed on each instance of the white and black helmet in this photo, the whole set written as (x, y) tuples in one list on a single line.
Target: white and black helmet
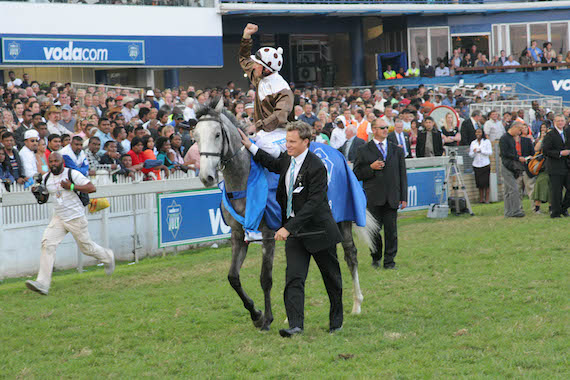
[(270, 58)]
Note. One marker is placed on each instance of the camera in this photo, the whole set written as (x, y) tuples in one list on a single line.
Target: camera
[(39, 190)]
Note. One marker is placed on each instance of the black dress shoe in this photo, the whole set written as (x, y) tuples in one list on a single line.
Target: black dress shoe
[(288, 333), (376, 264)]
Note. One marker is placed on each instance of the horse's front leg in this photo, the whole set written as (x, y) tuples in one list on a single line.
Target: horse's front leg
[(266, 278), (239, 252), (350, 253)]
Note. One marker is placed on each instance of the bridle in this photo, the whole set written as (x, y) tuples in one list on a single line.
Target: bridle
[(224, 160)]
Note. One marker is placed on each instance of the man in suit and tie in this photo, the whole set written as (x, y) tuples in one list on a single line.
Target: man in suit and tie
[(468, 128), (302, 195), (349, 148), (401, 138), (556, 146), (380, 164)]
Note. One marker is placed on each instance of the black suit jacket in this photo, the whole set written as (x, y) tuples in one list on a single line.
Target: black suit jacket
[(356, 143), (527, 148), (310, 201), (389, 185), (551, 147), (467, 132), (437, 143), (393, 138)]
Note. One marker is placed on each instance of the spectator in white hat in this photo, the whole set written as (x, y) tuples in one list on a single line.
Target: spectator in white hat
[(28, 153), (150, 98), (128, 110)]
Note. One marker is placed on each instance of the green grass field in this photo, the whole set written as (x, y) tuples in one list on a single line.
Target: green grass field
[(475, 297)]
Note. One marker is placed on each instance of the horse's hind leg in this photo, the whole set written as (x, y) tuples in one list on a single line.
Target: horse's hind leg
[(352, 262), (239, 251), (266, 277)]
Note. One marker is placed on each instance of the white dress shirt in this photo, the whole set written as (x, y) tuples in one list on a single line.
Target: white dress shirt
[(481, 159)]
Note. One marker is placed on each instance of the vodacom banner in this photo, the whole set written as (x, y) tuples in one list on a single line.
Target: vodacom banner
[(29, 50)]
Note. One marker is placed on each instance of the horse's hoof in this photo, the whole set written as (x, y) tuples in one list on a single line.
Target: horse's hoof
[(257, 319)]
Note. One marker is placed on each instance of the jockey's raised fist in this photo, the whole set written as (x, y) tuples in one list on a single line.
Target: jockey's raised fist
[(249, 30)]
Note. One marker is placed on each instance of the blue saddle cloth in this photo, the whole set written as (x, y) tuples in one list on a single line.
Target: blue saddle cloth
[(346, 196)]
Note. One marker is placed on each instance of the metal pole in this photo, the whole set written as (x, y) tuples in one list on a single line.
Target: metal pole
[(135, 228)]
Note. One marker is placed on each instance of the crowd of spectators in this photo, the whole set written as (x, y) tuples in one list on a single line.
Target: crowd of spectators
[(473, 58), (122, 133)]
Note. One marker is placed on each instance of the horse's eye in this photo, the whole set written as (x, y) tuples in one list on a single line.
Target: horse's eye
[(218, 135)]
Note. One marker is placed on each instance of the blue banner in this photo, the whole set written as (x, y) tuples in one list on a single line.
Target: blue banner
[(548, 82), (424, 187), (190, 217), (72, 51)]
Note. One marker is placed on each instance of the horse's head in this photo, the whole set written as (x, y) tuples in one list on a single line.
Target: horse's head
[(214, 134)]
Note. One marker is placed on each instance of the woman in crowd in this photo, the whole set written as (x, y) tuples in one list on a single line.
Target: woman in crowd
[(480, 150), (80, 127), (149, 153), (526, 133), (177, 148), (41, 160), (94, 119), (450, 131), (8, 119), (541, 192), (560, 59), (413, 136), (430, 143), (81, 113), (165, 153)]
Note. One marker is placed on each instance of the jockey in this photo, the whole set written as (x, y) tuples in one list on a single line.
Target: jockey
[(273, 96)]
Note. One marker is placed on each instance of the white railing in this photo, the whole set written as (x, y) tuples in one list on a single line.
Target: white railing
[(128, 226)]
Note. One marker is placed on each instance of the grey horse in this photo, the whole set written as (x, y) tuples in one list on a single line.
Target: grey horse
[(221, 149)]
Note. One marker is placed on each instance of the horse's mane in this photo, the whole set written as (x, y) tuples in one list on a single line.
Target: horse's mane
[(209, 108)]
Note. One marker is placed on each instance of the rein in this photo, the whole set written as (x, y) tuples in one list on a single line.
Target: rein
[(225, 141)]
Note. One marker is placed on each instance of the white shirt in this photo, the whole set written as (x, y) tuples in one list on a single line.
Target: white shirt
[(28, 159), (439, 72), (338, 137), (56, 129), (66, 204), (77, 159), (126, 145), (129, 113), (298, 163), (189, 113), (15, 82), (513, 63), (272, 142), (494, 129), (481, 159)]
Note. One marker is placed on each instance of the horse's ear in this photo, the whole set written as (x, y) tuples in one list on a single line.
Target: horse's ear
[(220, 105)]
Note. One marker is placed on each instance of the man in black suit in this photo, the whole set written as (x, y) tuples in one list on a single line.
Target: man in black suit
[(556, 146), (380, 164), (302, 195), (349, 148), (401, 138), (468, 128)]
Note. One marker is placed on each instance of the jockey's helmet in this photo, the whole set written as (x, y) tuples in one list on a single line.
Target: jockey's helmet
[(270, 58)]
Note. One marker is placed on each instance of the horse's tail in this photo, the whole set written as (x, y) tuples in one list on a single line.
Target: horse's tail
[(368, 232)]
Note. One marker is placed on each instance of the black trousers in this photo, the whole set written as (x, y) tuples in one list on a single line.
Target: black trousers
[(387, 218), (557, 182), (298, 259)]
